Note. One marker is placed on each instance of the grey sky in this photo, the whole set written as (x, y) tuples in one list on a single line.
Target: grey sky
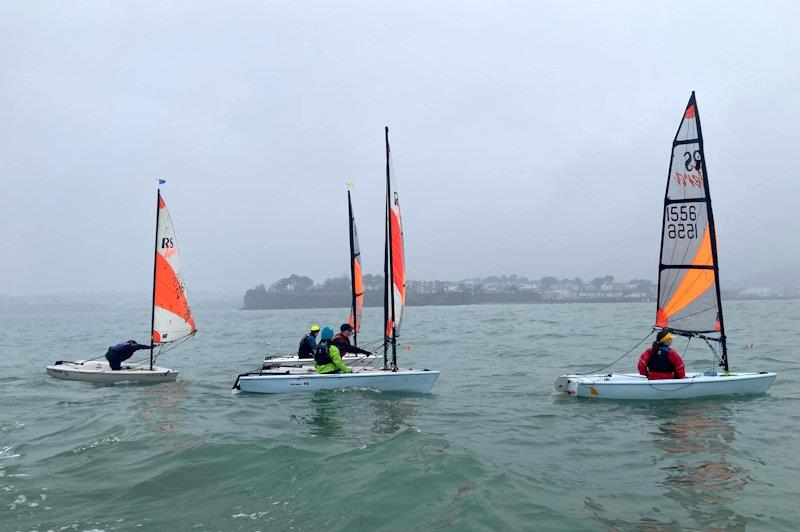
[(529, 137)]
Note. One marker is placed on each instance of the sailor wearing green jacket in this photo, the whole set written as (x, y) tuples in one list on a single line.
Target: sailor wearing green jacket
[(327, 358)]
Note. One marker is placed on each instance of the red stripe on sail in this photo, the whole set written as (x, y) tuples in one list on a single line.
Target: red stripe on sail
[(690, 112), (398, 270), (355, 321), (161, 204), (169, 293)]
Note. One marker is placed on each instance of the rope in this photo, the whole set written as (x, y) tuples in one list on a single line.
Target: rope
[(716, 356), (620, 358)]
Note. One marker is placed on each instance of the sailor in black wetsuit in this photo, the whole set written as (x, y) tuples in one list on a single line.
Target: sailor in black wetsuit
[(308, 343), (119, 353)]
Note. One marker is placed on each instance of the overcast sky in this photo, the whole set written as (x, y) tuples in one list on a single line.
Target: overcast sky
[(529, 137)]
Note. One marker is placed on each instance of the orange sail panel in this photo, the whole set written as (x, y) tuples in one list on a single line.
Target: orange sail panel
[(172, 316), (687, 286), (358, 287), (398, 263), (693, 284)]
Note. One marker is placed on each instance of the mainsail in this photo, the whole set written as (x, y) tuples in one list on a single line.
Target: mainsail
[(172, 318), (394, 264), (688, 280), (356, 278)]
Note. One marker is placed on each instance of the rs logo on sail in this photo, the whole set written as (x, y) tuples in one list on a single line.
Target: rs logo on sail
[(168, 246), (692, 162)]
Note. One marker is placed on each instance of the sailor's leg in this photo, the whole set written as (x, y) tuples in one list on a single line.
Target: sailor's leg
[(113, 360), (123, 358)]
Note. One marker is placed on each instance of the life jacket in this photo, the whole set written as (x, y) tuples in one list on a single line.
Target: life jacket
[(342, 342), (321, 355), (659, 361), (304, 351)]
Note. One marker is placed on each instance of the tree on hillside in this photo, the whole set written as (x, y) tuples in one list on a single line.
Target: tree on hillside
[(547, 283), (373, 282), (293, 283), (337, 284)]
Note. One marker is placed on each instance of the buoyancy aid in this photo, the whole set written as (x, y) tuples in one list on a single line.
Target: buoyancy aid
[(659, 361), (321, 355), (305, 350)]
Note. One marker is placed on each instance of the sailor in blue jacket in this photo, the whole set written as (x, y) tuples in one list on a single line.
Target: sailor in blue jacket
[(308, 343), (119, 353)]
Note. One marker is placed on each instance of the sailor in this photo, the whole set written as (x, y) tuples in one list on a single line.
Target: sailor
[(326, 356), (119, 353), (661, 362), (342, 341), (308, 343)]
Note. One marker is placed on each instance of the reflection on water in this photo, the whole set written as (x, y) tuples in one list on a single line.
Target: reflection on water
[(692, 446), (326, 417), (161, 402), (392, 414), (341, 415), (696, 443)]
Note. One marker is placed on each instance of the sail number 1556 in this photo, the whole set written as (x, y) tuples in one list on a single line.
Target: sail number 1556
[(682, 217)]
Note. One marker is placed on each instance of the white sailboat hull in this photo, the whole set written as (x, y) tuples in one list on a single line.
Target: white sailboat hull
[(636, 387), (293, 361), (414, 381), (101, 373)]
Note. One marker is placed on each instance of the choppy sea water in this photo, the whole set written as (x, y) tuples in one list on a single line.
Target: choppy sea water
[(491, 448)]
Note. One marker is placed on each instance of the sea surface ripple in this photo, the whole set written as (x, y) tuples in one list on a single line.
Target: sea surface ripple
[(492, 448)]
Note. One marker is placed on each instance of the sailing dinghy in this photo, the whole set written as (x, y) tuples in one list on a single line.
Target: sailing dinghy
[(386, 379), (689, 302), (171, 321), (356, 305)]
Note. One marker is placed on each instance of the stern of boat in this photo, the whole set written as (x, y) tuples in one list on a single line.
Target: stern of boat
[(564, 384)]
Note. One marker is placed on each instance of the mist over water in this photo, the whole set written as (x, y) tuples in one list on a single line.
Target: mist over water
[(491, 447), (528, 137)]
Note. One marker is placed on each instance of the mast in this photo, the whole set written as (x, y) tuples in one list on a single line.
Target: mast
[(351, 221), (388, 267), (713, 235), (155, 261)]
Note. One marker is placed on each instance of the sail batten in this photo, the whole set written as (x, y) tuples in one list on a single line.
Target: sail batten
[(688, 284)]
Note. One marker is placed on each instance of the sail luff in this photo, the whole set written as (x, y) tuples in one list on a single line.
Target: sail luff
[(155, 265), (713, 234), (388, 267)]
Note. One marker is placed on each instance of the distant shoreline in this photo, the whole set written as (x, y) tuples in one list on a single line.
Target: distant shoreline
[(288, 305)]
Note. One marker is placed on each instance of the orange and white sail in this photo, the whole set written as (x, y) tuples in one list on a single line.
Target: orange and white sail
[(172, 316), (356, 276), (394, 269), (688, 284)]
